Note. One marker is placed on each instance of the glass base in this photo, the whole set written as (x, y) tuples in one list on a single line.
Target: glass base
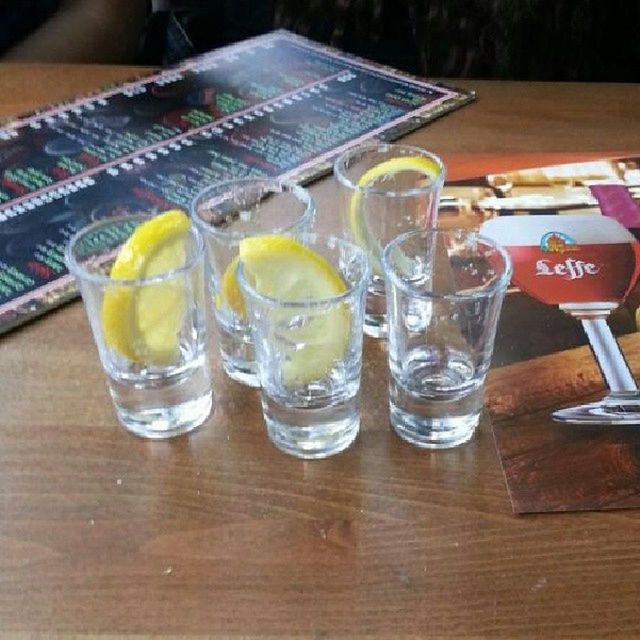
[(241, 371), (614, 409), (375, 325), (167, 422), (433, 433), (313, 442)]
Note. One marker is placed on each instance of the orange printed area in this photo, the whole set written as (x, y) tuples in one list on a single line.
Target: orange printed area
[(557, 244)]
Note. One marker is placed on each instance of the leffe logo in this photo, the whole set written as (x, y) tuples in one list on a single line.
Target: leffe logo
[(569, 268)]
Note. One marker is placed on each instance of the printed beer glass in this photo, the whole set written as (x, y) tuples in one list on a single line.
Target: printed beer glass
[(585, 264)]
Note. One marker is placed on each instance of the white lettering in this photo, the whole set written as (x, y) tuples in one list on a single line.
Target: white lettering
[(591, 269), (542, 268), (570, 269)]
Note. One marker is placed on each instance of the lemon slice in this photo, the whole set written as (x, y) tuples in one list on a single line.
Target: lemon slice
[(362, 234), (230, 294), (142, 323), (310, 340)]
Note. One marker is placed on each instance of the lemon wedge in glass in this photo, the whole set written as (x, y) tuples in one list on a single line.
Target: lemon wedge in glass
[(362, 234), (310, 337), (230, 294), (142, 322)]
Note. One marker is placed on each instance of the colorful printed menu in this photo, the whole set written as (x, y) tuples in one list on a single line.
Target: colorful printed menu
[(277, 105)]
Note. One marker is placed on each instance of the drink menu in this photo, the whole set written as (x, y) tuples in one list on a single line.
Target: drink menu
[(277, 105)]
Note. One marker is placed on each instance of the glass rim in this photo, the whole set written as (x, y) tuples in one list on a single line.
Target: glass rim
[(80, 272), (339, 170), (298, 191), (391, 273), (352, 289)]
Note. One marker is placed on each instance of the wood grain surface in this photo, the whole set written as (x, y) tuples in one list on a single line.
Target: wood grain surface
[(553, 467), (221, 535)]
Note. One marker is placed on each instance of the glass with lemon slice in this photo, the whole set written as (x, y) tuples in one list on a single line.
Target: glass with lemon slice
[(142, 282), (227, 213), (305, 300), (386, 190)]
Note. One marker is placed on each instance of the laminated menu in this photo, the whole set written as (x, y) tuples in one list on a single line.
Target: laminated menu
[(277, 105)]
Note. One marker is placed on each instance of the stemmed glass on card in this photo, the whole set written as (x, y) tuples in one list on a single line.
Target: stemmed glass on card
[(586, 265)]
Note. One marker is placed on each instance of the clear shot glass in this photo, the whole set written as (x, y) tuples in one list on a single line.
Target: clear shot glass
[(444, 295), (226, 213), (309, 355), (386, 190), (157, 369)]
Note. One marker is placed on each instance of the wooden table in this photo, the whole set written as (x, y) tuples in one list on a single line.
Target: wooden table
[(219, 533)]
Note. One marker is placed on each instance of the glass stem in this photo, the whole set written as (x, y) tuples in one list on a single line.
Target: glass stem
[(609, 357)]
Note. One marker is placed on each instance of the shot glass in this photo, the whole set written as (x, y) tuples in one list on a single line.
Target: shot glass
[(386, 190), (444, 295), (309, 356), (166, 391), (226, 213)]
